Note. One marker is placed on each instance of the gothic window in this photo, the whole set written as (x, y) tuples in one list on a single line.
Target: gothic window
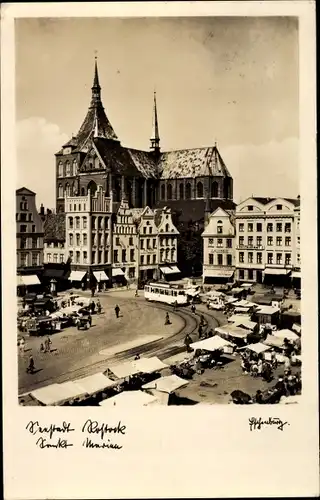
[(172, 254), (163, 192), (68, 169), (60, 169), (199, 190), (181, 191), (68, 189), (93, 187), (60, 191), (169, 192), (74, 168), (83, 192), (188, 191), (214, 190), (74, 188), (167, 253)]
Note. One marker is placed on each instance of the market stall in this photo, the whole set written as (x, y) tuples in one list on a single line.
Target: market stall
[(59, 394), (164, 388), (129, 399)]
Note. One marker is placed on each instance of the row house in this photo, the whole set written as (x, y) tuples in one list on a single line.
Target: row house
[(266, 233), (219, 247), (29, 238)]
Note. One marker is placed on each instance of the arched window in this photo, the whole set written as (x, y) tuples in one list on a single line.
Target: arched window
[(74, 168), (68, 169), (93, 187), (188, 191), (199, 190), (68, 189), (169, 192), (60, 169), (181, 191), (172, 254), (167, 253), (167, 228), (60, 191), (214, 190), (163, 192), (161, 254), (74, 188), (83, 192)]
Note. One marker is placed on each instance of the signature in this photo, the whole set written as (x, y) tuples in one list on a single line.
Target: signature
[(34, 428), (95, 427), (258, 423)]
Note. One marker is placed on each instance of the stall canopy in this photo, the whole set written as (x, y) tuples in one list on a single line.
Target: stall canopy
[(211, 344), (218, 273), (32, 279), (296, 274), (238, 318), (100, 276), (170, 270), (278, 272), (267, 310), (247, 324), (95, 383), (286, 334), (168, 384), (244, 303), (257, 348), (77, 275), (214, 293), (57, 394), (273, 341), (130, 398), (124, 370), (117, 272), (149, 365), (232, 330), (242, 309)]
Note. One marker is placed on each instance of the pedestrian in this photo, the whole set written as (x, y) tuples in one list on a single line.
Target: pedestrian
[(187, 342), (99, 307), (47, 344), (200, 331), (90, 320), (92, 307), (41, 347), (167, 320), (202, 320), (117, 311), (30, 368), (136, 293), (92, 291), (175, 305), (193, 308)]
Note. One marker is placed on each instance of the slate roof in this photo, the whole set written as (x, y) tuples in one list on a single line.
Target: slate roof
[(54, 227), (187, 210), (265, 201), (116, 157), (192, 163), (144, 162)]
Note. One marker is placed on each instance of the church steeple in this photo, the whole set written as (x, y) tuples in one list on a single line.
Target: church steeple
[(96, 89), (155, 138)]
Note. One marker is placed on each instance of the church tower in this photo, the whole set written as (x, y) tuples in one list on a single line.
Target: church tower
[(155, 138)]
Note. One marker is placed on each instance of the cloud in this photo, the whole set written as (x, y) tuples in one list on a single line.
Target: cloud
[(37, 142), (270, 169)]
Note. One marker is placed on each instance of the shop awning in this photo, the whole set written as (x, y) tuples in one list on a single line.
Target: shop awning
[(277, 272), (218, 273), (150, 365), (117, 272), (77, 275), (167, 384), (100, 276), (170, 270), (32, 279), (296, 274)]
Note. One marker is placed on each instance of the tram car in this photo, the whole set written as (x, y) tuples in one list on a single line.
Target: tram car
[(166, 293)]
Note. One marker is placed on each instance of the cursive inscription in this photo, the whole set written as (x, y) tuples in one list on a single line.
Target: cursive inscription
[(61, 443), (88, 443), (258, 423), (101, 429), (35, 428)]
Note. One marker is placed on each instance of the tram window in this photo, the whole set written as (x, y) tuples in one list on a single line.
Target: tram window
[(175, 294), (161, 292)]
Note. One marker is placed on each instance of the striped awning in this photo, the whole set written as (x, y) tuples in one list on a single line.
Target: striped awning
[(170, 270), (100, 276)]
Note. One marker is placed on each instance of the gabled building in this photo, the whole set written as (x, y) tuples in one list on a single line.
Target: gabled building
[(182, 180), (29, 231), (219, 247), (125, 263)]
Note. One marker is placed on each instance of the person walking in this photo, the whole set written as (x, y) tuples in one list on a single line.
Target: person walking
[(47, 344), (30, 368), (136, 293), (187, 342), (193, 308), (90, 319), (99, 307), (167, 320), (117, 311), (200, 331)]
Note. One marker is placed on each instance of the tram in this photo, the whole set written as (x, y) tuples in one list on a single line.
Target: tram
[(166, 293)]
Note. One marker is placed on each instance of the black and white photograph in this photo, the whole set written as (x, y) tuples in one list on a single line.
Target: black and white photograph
[(159, 250), (158, 211)]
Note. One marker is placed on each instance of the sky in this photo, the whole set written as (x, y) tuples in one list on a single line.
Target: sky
[(230, 80)]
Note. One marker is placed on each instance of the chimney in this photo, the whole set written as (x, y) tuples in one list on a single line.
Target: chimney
[(41, 209)]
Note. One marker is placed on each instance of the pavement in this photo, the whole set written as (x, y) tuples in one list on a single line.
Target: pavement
[(73, 349)]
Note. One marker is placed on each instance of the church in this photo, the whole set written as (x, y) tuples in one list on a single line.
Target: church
[(189, 181)]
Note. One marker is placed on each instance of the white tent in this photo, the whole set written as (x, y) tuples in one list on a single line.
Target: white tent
[(57, 394), (257, 348), (232, 330), (129, 399), (123, 370), (286, 334), (211, 344), (149, 365), (273, 341), (95, 383), (168, 384)]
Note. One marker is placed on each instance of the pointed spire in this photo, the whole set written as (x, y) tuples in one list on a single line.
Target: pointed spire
[(155, 138), (96, 89)]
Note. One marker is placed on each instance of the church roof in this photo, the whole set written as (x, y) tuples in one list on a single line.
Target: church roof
[(115, 157), (144, 162), (196, 162), (194, 211), (87, 128)]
